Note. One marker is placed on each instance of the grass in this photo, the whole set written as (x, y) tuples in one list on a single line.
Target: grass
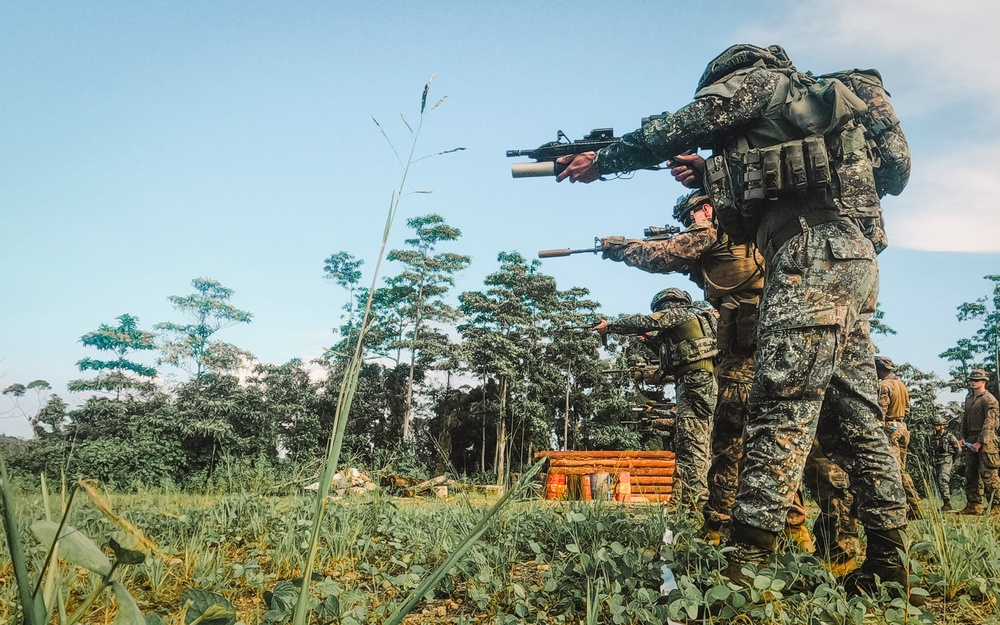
[(540, 562)]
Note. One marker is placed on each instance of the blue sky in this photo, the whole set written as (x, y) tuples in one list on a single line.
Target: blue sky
[(146, 144)]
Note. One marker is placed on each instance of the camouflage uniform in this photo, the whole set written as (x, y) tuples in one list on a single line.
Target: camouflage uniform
[(944, 447), (732, 277), (894, 400), (980, 426), (836, 527), (816, 374), (695, 394)]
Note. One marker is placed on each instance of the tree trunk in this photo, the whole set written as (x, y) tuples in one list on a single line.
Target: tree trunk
[(569, 369), (502, 437), (413, 359)]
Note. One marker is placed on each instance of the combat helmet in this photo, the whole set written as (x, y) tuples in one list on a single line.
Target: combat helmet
[(978, 374), (940, 420), (884, 362), (688, 203), (672, 296), (741, 56)]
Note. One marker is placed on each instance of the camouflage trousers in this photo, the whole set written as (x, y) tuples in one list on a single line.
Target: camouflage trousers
[(981, 475), (696, 397), (836, 528), (816, 378), (899, 443), (942, 477), (735, 372)]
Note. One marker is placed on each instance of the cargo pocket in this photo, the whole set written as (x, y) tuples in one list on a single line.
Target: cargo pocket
[(851, 249), (990, 460), (795, 363)]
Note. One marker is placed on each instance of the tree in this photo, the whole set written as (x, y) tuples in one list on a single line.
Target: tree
[(209, 310), (983, 348), (423, 283), (18, 391), (515, 341), (344, 270), (121, 373)]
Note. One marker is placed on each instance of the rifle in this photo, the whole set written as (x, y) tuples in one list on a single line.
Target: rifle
[(650, 233), (660, 415), (546, 154)]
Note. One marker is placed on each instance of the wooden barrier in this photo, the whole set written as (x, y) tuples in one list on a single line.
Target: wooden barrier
[(650, 473)]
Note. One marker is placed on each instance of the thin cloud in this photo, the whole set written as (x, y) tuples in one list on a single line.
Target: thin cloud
[(953, 211)]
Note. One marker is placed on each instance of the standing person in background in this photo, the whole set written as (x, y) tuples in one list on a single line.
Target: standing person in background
[(944, 448), (979, 442), (894, 399)]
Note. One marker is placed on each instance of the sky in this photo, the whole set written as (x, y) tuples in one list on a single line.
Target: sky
[(143, 145)]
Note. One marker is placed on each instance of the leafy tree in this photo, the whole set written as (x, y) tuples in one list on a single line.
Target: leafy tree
[(344, 270), (119, 374), (515, 341), (983, 348), (17, 392), (419, 296), (209, 311)]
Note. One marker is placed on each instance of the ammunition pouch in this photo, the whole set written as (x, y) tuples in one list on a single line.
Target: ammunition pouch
[(737, 331), (837, 167)]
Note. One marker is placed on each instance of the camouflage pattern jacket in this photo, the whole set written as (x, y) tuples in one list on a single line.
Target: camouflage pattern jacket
[(982, 416)]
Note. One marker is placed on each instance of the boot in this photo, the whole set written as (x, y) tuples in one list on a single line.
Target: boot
[(799, 535), (946, 507), (972, 509), (751, 546), (883, 563), (711, 533)]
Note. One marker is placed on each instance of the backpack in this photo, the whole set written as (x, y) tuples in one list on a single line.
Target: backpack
[(889, 151)]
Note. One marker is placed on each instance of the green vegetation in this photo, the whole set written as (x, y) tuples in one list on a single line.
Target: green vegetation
[(415, 385)]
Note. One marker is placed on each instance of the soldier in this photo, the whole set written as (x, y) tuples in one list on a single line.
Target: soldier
[(732, 277), (894, 399), (683, 336), (979, 440), (791, 169), (944, 447)]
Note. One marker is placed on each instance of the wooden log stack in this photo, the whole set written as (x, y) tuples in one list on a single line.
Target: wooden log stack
[(651, 473)]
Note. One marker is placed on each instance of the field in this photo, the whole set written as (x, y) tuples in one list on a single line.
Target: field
[(539, 562)]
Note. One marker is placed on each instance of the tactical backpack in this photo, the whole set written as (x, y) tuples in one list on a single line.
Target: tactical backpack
[(889, 150)]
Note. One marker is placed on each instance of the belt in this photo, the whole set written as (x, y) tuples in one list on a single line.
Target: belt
[(793, 227)]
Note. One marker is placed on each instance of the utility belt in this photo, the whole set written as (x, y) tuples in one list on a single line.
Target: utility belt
[(741, 182), (737, 331)]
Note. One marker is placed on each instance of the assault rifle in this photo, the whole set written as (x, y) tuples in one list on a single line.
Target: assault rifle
[(546, 154), (658, 416), (651, 233)]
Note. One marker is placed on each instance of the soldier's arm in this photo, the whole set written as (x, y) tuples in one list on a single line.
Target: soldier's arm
[(674, 255), (641, 324), (883, 398), (990, 422), (695, 125)]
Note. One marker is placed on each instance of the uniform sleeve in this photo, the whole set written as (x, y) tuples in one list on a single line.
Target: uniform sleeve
[(991, 419), (884, 395), (640, 324), (678, 254), (695, 125)]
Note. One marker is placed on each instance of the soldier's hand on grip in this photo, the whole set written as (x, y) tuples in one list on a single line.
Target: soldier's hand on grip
[(688, 169), (579, 167)]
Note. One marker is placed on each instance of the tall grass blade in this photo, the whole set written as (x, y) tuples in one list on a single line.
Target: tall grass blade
[(350, 383), (464, 547), (33, 612)]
